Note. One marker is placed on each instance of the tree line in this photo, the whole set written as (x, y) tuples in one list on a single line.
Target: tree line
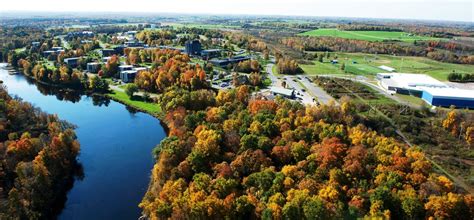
[(444, 52), (460, 77)]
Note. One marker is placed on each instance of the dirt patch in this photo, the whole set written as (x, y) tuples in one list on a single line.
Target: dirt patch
[(383, 61)]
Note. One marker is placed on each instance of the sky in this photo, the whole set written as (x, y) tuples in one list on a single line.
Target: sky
[(452, 10)]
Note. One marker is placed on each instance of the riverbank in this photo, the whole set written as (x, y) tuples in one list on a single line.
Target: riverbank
[(151, 108)]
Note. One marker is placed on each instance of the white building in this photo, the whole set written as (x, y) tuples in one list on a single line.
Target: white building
[(387, 68), (128, 75), (125, 68), (406, 82), (429, 89), (140, 69), (287, 93), (93, 67)]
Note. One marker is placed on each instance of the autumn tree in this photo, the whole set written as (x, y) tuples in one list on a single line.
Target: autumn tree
[(130, 89)]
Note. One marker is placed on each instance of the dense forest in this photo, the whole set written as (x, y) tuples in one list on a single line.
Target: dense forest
[(63, 76), (37, 160), (170, 67), (232, 156), (17, 37)]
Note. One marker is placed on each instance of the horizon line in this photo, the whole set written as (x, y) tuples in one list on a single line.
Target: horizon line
[(230, 14)]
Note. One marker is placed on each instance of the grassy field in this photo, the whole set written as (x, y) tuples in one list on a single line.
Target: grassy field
[(152, 108), (367, 65), (367, 35), (411, 99)]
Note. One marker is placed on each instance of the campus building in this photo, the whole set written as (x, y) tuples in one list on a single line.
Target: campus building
[(119, 50), (125, 67), (35, 44), (429, 89), (72, 62), (134, 44), (446, 97), (107, 52), (93, 67), (212, 53), (193, 47), (224, 62), (50, 54), (287, 93), (128, 75)]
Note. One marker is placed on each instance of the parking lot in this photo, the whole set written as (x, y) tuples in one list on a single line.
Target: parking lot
[(306, 91)]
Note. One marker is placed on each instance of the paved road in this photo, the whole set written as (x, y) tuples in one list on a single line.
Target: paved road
[(318, 92), (64, 42), (300, 83), (275, 81), (304, 97)]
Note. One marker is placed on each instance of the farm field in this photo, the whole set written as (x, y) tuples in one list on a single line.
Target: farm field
[(367, 65), (367, 35)]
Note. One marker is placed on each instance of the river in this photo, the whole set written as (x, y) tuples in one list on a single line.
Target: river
[(116, 149)]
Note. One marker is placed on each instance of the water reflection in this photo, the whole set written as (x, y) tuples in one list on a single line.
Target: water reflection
[(63, 94), (116, 145)]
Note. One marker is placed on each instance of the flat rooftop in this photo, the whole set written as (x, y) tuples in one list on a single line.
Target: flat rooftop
[(410, 80), (450, 93), (283, 91), (129, 72)]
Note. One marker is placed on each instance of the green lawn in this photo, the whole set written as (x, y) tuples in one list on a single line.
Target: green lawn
[(19, 50), (152, 108), (275, 70), (267, 82), (367, 65), (49, 64), (366, 35)]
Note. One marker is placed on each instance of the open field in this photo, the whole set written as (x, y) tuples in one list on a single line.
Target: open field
[(367, 65), (367, 35)]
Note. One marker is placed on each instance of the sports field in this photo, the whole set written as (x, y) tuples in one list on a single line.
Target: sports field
[(367, 35), (367, 65)]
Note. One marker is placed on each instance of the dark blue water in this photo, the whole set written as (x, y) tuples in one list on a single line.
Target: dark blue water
[(116, 147)]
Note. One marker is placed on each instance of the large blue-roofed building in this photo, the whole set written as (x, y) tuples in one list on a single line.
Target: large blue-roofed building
[(446, 97), (432, 91)]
